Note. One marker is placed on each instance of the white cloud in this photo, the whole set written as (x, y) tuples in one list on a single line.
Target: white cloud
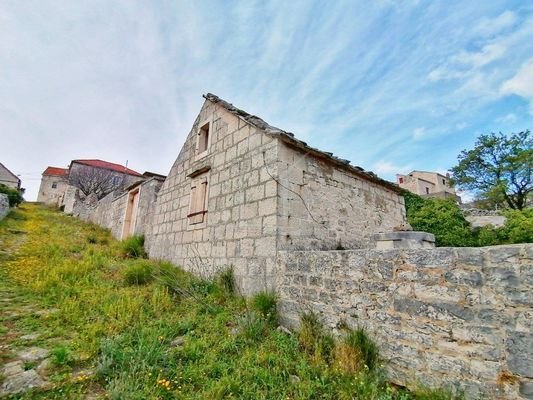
[(521, 83), (419, 133), (461, 125), (492, 26), (383, 167), (488, 54), (508, 118)]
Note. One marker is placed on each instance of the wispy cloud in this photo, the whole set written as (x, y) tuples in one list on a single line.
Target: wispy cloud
[(521, 83), (370, 81)]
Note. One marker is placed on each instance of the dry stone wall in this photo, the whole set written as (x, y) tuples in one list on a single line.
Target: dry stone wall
[(4, 205), (461, 317)]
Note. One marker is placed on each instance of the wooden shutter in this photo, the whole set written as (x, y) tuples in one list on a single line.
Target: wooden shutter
[(197, 207)]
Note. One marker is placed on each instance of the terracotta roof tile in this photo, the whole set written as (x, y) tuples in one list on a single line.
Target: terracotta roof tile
[(55, 171)]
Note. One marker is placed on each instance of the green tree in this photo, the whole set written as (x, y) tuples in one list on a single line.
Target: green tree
[(443, 218), (498, 169), (13, 195)]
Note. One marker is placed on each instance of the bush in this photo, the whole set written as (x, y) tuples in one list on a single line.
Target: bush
[(443, 218), (133, 247), (357, 352), (519, 226), (138, 273), (13, 195), (266, 303)]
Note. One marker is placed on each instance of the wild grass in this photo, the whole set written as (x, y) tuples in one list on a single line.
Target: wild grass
[(173, 337), (133, 247)]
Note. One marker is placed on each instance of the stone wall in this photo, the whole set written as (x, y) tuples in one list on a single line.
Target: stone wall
[(455, 316), (4, 205), (240, 224), (323, 206)]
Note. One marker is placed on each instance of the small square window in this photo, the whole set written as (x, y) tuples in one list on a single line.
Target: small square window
[(401, 180), (54, 185), (203, 139), (427, 190), (444, 181), (115, 180), (198, 201)]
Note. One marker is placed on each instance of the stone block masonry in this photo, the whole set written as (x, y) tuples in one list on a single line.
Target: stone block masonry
[(4, 205), (459, 317)]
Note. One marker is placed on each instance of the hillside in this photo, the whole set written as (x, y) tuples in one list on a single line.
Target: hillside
[(81, 320)]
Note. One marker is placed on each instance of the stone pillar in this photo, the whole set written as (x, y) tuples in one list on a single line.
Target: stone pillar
[(4, 205), (404, 240)]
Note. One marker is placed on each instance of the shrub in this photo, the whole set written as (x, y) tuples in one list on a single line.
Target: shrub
[(138, 273), (266, 303), (133, 247), (519, 226), (357, 352), (252, 326), (313, 338), (13, 195)]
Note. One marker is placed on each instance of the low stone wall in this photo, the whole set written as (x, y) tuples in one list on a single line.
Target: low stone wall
[(4, 205), (460, 317)]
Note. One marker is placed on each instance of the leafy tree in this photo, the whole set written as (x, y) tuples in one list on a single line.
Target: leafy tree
[(498, 169), (13, 195), (443, 218)]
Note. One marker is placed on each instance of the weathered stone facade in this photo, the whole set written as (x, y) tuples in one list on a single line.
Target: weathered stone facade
[(110, 212), (8, 178), (265, 191), (52, 190), (456, 316), (4, 205)]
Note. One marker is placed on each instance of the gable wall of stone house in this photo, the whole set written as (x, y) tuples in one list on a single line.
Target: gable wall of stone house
[(240, 228), (48, 194), (324, 206), (7, 178)]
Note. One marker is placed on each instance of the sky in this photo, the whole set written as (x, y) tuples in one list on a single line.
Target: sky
[(390, 85)]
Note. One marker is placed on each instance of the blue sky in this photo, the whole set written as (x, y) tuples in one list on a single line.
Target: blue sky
[(390, 85)]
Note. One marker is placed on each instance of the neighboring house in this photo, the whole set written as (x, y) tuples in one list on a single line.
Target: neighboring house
[(8, 178), (241, 190), (54, 183), (60, 186), (428, 184)]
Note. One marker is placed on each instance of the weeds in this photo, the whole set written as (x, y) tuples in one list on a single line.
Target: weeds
[(133, 247), (314, 339), (226, 279), (266, 304), (138, 273), (357, 352), (228, 347)]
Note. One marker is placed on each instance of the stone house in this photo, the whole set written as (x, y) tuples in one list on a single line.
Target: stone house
[(8, 178), (54, 183), (428, 184), (125, 213), (100, 176), (241, 190)]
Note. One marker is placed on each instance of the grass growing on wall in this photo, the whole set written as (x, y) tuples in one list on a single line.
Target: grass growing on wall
[(146, 330)]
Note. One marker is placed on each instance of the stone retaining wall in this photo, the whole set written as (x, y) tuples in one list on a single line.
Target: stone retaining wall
[(461, 317), (4, 205)]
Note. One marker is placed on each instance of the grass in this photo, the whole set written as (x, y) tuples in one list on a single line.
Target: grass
[(229, 348)]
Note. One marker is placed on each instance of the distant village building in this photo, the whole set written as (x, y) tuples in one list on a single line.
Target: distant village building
[(8, 178), (53, 186), (59, 186), (428, 184)]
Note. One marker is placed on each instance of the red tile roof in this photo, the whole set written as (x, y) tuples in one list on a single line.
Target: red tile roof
[(55, 171), (107, 165)]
